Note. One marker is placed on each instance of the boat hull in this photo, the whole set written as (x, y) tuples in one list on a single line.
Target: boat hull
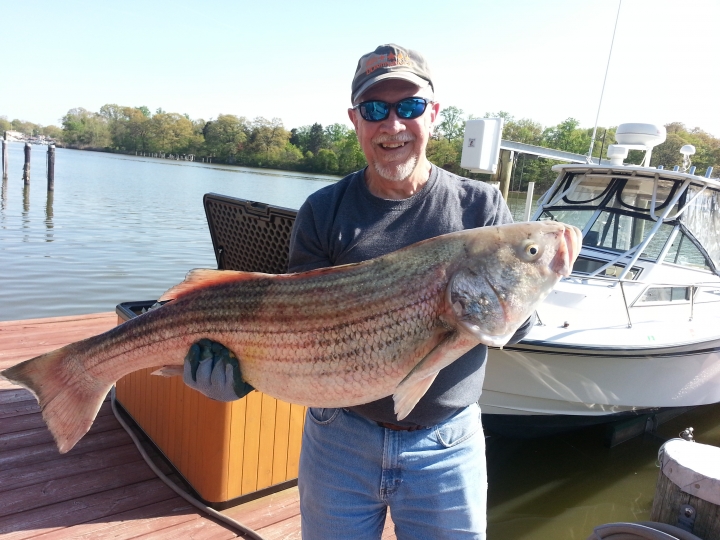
[(538, 388)]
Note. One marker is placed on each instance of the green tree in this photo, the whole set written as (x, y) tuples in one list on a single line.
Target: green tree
[(566, 136), (267, 139), (452, 125), (325, 161), (316, 138), (171, 133), (225, 136), (350, 156), (85, 129), (5, 125)]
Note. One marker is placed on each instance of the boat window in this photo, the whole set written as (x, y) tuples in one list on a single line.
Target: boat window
[(702, 218), (578, 218), (586, 190), (620, 232), (586, 265), (685, 253), (666, 294), (637, 193)]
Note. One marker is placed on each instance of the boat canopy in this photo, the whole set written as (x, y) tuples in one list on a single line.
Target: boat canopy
[(640, 213)]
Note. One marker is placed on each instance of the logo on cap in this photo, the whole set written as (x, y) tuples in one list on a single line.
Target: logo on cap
[(377, 61)]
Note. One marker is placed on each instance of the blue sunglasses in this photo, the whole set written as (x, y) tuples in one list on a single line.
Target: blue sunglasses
[(408, 108)]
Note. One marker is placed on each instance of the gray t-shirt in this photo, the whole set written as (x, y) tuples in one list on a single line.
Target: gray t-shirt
[(345, 223)]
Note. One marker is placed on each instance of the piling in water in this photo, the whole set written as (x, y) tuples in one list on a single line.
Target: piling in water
[(687, 494), (26, 167), (4, 159), (51, 167)]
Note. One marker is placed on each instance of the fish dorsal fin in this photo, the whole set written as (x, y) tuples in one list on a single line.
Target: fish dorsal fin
[(200, 278)]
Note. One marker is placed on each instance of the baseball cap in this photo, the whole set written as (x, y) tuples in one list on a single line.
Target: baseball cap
[(390, 62)]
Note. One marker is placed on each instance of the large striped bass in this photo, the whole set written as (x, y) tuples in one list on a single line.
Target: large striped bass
[(333, 337)]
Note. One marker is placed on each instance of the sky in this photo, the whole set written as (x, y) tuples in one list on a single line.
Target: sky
[(294, 59)]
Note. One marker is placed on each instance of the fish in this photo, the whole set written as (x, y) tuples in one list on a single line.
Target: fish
[(332, 337)]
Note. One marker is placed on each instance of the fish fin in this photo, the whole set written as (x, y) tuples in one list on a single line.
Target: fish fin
[(200, 278), (69, 402), (406, 398), (169, 371), (417, 382)]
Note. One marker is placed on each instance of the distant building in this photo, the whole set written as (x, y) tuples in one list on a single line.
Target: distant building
[(14, 136)]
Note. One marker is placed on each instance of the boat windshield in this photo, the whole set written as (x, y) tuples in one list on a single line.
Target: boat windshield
[(617, 213), (702, 218), (614, 231)]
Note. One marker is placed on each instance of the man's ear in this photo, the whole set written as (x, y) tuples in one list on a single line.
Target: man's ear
[(352, 114)]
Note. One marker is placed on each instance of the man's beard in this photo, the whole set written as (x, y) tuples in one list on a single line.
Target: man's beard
[(396, 172)]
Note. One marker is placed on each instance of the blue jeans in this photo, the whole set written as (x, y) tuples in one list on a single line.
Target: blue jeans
[(433, 480)]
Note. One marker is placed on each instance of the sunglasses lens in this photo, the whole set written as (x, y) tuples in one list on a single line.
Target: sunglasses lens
[(411, 107), (374, 111)]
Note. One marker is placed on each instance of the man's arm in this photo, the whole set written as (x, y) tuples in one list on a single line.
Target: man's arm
[(307, 249)]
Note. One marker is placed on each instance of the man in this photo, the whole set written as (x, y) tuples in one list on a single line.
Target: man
[(429, 469)]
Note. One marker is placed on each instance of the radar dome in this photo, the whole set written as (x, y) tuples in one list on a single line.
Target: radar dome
[(647, 135)]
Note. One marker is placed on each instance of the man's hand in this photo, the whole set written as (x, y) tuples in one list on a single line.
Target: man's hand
[(213, 370)]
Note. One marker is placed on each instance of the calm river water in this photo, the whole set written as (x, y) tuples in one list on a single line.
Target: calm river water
[(123, 228), (117, 228)]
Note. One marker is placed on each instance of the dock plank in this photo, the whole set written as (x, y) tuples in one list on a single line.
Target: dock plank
[(101, 489)]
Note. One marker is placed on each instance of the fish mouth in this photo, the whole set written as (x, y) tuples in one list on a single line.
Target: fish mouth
[(567, 252)]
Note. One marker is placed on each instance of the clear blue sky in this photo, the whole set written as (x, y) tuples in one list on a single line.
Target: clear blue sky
[(538, 59)]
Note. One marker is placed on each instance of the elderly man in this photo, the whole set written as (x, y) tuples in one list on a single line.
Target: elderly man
[(429, 469)]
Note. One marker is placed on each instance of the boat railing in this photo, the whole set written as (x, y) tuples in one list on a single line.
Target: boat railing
[(712, 287)]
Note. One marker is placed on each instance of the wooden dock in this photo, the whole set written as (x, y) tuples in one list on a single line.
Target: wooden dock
[(102, 488)]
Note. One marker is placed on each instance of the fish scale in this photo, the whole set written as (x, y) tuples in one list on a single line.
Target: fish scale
[(333, 337)]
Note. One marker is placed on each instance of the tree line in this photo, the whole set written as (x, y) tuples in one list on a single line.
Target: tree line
[(334, 149)]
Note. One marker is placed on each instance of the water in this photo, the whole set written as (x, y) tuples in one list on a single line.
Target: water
[(124, 228), (117, 228)]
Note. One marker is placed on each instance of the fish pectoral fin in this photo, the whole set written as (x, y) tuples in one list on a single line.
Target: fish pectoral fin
[(416, 383), (409, 392), (169, 371)]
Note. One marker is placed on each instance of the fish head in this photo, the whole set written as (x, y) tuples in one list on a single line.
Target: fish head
[(505, 273)]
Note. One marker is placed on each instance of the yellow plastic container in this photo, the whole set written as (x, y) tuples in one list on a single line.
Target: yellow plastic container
[(225, 451)]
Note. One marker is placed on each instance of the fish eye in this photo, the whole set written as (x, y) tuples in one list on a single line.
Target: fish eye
[(532, 250)]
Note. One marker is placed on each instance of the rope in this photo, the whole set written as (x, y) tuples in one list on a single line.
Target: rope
[(246, 531)]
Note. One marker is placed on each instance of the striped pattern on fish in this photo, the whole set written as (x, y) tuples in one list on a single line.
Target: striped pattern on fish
[(332, 337)]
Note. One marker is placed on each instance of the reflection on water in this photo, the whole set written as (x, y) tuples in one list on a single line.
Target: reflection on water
[(116, 228), (561, 487), (49, 216), (3, 195)]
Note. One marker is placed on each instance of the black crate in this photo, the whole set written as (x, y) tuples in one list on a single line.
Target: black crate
[(247, 235)]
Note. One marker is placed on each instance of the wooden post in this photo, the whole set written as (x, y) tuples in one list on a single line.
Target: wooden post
[(506, 163), (4, 159), (26, 167), (51, 167), (687, 494)]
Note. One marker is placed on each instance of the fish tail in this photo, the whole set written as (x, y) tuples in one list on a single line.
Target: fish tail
[(69, 401)]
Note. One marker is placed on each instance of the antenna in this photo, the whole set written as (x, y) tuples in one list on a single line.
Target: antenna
[(602, 92)]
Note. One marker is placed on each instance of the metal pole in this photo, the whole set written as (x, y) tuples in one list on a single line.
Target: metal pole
[(26, 167), (4, 159), (529, 201), (51, 167)]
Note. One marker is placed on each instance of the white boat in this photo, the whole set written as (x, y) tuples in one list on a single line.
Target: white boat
[(636, 327)]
